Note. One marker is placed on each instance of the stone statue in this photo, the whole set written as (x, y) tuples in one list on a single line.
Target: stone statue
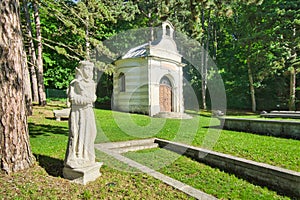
[(80, 152)]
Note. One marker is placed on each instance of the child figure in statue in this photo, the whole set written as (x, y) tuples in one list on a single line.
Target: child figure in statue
[(82, 128)]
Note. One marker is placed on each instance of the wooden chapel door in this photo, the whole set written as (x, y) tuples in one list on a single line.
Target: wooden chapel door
[(165, 95)]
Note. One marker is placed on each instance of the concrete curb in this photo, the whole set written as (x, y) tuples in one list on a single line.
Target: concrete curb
[(279, 179), (170, 181)]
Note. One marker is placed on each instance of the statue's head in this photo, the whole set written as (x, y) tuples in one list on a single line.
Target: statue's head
[(86, 69)]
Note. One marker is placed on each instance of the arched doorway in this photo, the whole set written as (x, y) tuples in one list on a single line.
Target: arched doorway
[(165, 95)]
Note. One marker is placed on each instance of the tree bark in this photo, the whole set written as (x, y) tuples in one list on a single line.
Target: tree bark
[(251, 85), (40, 73), (15, 153), (32, 54), (204, 76), (292, 100), (205, 56), (87, 39), (27, 89)]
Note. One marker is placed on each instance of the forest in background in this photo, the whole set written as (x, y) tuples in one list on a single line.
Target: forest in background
[(255, 44)]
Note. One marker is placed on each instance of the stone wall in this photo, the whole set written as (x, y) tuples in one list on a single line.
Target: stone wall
[(277, 128), (135, 98)]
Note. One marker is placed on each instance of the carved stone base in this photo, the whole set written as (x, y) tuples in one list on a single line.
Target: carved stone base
[(83, 175)]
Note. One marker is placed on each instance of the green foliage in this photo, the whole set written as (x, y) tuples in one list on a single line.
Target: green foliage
[(103, 100), (68, 26), (255, 33), (266, 32)]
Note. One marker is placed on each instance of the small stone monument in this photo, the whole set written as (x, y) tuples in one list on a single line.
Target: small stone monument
[(80, 165)]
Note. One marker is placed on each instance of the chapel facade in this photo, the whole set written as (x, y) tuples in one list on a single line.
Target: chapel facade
[(149, 78)]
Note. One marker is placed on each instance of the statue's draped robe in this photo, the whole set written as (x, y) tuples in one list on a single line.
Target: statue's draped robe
[(82, 127)]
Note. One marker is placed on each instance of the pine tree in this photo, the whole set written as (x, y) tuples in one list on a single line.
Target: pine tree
[(15, 153)]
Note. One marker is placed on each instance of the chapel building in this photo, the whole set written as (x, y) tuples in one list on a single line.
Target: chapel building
[(149, 78)]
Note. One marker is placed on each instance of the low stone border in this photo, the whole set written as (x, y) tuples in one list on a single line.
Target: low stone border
[(284, 181), (277, 128), (198, 194), (281, 114)]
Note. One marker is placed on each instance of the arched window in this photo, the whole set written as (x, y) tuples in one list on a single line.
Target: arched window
[(168, 31), (165, 81), (122, 82)]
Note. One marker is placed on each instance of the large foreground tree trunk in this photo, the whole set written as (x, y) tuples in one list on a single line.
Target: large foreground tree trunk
[(15, 153)]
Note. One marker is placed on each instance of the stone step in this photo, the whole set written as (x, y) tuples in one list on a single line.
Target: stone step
[(173, 115), (135, 148), (132, 145), (114, 145), (285, 112), (197, 194), (280, 115)]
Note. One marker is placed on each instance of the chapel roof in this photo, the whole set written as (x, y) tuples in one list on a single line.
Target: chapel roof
[(139, 51), (163, 47)]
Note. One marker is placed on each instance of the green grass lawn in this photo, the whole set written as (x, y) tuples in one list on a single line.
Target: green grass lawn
[(210, 180), (49, 139), (271, 150), (44, 181)]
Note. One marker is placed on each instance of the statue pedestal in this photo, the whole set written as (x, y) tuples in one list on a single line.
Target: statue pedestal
[(83, 175)]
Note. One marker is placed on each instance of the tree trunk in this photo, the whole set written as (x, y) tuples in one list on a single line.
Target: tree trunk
[(292, 100), (204, 77), (293, 74), (205, 56), (196, 19), (27, 89), (251, 84), (215, 41), (87, 41), (40, 73), (32, 54), (150, 24), (15, 153)]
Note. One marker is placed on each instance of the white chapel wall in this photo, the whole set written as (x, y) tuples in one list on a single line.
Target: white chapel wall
[(135, 97)]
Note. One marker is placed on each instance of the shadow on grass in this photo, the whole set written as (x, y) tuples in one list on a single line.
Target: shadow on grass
[(53, 166), (62, 119), (205, 115), (213, 127), (42, 129)]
